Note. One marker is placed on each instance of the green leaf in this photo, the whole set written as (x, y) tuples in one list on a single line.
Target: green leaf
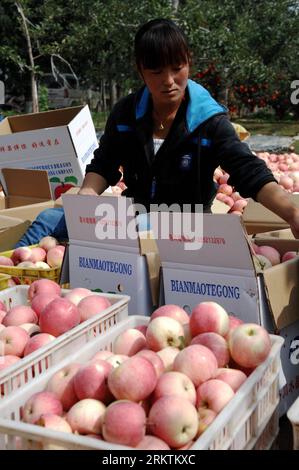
[(54, 179), (71, 179)]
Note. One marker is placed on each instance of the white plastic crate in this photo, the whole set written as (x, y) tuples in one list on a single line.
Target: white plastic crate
[(52, 353), (293, 416), (241, 425)]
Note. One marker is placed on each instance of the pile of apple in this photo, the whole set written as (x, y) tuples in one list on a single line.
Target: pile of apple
[(226, 193), (267, 256), (26, 328), (285, 168), (162, 385), (48, 254)]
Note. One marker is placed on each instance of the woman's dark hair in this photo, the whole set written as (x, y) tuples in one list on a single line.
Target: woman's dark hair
[(160, 42)]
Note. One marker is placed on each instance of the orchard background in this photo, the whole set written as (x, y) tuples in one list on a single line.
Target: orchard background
[(245, 53)]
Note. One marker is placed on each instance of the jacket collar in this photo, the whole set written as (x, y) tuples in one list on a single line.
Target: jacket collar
[(200, 108)]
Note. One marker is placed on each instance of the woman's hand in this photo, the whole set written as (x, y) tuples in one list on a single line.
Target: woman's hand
[(87, 192), (93, 185), (278, 201), (294, 223)]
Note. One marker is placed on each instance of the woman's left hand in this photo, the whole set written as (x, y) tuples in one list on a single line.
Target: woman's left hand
[(294, 223)]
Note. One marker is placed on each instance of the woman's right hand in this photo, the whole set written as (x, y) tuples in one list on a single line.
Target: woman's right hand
[(87, 192), (93, 185)]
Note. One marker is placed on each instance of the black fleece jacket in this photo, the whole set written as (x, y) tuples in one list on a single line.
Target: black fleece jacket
[(200, 139)]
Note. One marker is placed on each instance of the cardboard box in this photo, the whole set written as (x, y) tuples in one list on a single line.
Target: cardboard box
[(31, 211), (285, 234), (61, 142), (258, 219), (26, 192), (11, 230), (112, 265), (223, 271)]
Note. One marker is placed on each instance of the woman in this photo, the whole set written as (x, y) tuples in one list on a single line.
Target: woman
[(171, 135)]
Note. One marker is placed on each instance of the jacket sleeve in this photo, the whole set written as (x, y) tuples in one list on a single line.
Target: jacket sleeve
[(106, 159), (248, 173)]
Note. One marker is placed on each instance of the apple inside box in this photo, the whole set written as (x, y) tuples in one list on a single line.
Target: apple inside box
[(223, 271), (60, 141)]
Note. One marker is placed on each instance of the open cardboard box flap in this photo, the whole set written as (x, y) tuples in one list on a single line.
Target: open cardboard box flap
[(281, 286), (258, 219), (33, 121), (149, 248), (80, 218), (285, 234), (12, 234), (27, 183), (281, 283), (7, 222)]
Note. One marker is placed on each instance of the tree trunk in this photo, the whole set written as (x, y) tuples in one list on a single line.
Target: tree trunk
[(113, 93), (175, 5), (34, 94)]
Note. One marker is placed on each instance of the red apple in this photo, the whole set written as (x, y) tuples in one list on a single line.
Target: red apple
[(233, 377), (129, 342), (59, 316), (37, 254), (86, 416), (135, 379), (124, 423), (289, 255), (214, 394), (39, 404), (62, 385), (175, 383), (77, 294), (172, 311), (92, 305), (8, 360), (168, 356), (43, 286), (5, 261), (233, 323), (209, 316), (21, 254), (197, 362), (270, 253), (91, 381), (40, 301), (55, 423), (116, 359), (249, 345), (37, 341), (154, 358), (206, 417), (164, 331), (55, 257), (47, 243), (174, 420), (152, 443), (18, 315), (13, 340), (216, 343), (102, 355)]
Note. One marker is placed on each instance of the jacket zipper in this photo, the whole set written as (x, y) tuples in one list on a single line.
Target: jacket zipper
[(153, 188)]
